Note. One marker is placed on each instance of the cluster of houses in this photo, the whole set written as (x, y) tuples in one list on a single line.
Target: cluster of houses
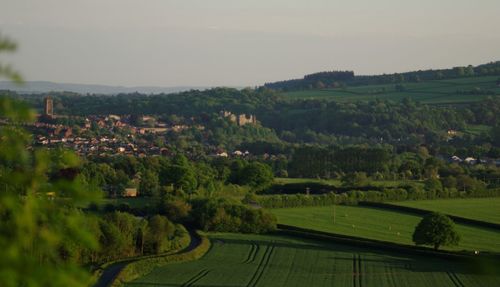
[(126, 142), (103, 145), (472, 161), (236, 153), (154, 126)]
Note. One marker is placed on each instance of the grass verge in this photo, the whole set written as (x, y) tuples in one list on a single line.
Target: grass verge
[(140, 268)]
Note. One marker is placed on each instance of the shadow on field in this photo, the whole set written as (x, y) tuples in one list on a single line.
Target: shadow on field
[(393, 259), (173, 285)]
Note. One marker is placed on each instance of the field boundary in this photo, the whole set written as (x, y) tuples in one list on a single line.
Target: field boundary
[(419, 211), (140, 268), (370, 243), (105, 273)]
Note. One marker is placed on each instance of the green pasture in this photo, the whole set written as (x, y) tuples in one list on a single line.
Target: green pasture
[(337, 182), (431, 92), (379, 224), (477, 129), (484, 209), (259, 260), (133, 202)]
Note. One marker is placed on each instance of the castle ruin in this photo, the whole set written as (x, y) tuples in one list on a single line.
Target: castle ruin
[(240, 120)]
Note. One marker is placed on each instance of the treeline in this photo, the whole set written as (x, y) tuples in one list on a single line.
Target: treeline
[(311, 162), (122, 235), (205, 213), (156, 176), (338, 79), (321, 80), (193, 103), (395, 123), (220, 215), (358, 165), (352, 197)]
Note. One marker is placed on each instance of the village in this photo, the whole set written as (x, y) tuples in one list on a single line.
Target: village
[(105, 135)]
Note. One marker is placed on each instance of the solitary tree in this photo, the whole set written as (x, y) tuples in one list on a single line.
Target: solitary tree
[(436, 229)]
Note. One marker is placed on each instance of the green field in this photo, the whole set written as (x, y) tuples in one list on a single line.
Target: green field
[(431, 92), (133, 202), (379, 224), (485, 209), (337, 182), (477, 129), (257, 260)]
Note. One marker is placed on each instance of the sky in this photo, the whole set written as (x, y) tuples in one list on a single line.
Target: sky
[(242, 43)]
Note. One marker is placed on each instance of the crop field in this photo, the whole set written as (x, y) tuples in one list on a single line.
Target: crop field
[(380, 224), (431, 92), (485, 209), (258, 260)]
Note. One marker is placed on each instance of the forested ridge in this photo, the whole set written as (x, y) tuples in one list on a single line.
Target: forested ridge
[(336, 79)]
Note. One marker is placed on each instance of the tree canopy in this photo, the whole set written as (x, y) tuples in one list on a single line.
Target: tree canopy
[(436, 229)]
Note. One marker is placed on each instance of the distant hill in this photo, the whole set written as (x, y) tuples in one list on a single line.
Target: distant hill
[(343, 79), (46, 87), (449, 91)]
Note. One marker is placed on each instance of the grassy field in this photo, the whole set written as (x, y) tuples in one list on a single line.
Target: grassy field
[(133, 202), (485, 209), (379, 224), (431, 92), (257, 260), (337, 182), (477, 129)]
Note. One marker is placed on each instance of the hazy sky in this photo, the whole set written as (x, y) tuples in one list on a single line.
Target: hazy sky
[(242, 43)]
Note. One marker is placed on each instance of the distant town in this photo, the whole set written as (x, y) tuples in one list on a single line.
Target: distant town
[(122, 134)]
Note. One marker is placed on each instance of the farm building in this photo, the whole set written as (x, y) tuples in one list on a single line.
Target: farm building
[(130, 192)]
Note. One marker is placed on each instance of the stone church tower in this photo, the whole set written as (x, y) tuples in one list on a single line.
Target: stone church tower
[(48, 107)]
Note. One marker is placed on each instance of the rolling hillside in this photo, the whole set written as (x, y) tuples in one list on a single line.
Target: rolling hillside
[(450, 91)]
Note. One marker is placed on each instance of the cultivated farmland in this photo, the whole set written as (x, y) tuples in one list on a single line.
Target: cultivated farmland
[(485, 209), (257, 260), (464, 90), (379, 224)]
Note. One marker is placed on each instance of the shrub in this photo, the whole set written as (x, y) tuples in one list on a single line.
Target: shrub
[(175, 209)]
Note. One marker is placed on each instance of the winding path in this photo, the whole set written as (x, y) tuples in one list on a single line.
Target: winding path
[(109, 274)]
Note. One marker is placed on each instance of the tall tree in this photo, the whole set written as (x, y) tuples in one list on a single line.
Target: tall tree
[(436, 229)]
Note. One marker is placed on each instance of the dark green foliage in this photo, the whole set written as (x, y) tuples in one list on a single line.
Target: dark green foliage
[(123, 235), (338, 79), (437, 230), (42, 230), (315, 162), (433, 185), (411, 192), (175, 209), (256, 174), (160, 231), (149, 184), (224, 216), (356, 179)]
